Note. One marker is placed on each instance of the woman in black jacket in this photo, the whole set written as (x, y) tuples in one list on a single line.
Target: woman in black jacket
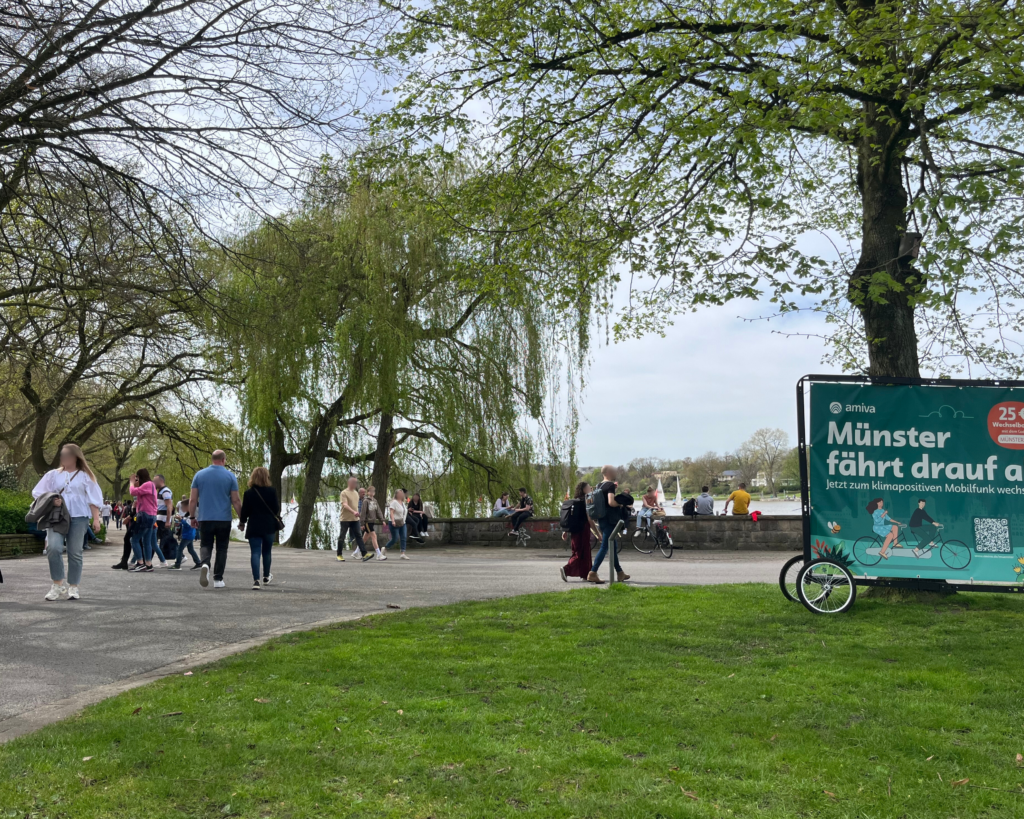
[(259, 519)]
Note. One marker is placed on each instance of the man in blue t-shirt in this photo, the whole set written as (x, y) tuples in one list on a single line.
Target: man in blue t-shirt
[(214, 495)]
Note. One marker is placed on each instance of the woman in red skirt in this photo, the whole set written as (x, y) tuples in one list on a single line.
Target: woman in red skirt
[(580, 562)]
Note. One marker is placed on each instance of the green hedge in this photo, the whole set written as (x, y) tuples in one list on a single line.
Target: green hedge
[(13, 506)]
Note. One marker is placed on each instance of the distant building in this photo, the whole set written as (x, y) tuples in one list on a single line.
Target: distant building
[(729, 476)]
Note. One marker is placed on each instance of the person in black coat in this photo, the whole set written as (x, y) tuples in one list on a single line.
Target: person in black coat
[(260, 521)]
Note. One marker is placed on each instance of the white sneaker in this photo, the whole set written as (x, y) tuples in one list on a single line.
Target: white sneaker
[(163, 564), (405, 556), (358, 555), (380, 556), (267, 579), (53, 593), (73, 593), (64, 587), (218, 584), (204, 576), (384, 550)]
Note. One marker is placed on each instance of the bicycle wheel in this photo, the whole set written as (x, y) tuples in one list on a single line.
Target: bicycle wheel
[(955, 554), (788, 577), (665, 544), (826, 587), (860, 551), (643, 542)]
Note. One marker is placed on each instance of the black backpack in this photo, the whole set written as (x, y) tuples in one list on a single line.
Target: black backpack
[(572, 516), (601, 508), (690, 507)]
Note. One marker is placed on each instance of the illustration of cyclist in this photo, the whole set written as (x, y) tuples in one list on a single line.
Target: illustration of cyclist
[(924, 528), (883, 525)]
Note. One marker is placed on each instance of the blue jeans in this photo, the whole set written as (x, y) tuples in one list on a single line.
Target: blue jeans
[(57, 544), (398, 533), (500, 513), (144, 538), (260, 545), (184, 544), (606, 531)]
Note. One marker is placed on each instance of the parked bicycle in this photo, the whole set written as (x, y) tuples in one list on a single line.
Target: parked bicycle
[(651, 533)]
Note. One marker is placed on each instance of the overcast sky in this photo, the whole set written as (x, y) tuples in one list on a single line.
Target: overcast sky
[(708, 384)]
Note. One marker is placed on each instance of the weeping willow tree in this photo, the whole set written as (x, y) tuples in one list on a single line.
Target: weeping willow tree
[(390, 323)]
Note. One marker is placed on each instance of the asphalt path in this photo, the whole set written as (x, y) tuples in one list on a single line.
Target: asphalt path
[(128, 629)]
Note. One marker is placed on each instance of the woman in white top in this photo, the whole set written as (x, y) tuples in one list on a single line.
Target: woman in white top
[(105, 512), (396, 521), (83, 497)]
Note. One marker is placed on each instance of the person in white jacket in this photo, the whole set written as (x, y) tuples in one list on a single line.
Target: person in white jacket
[(79, 491)]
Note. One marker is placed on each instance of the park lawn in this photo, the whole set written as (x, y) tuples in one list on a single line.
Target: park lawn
[(628, 702)]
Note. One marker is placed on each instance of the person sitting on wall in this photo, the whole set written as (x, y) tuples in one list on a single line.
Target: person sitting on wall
[(523, 511)]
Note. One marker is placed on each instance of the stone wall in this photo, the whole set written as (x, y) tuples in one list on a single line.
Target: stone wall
[(776, 533), (14, 545)]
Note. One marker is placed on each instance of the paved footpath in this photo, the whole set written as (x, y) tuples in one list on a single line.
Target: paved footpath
[(129, 629)]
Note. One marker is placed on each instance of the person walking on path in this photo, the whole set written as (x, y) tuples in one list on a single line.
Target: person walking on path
[(740, 500), (126, 552), (370, 517), (144, 542), (609, 520), (399, 528), (165, 517), (579, 536), (350, 518), (705, 503), (259, 519), (105, 512), (77, 491), (214, 494), (186, 541)]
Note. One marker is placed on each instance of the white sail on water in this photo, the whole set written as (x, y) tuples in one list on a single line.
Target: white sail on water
[(661, 493), (679, 491)]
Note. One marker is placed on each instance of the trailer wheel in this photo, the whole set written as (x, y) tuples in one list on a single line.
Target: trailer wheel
[(826, 587), (788, 576)]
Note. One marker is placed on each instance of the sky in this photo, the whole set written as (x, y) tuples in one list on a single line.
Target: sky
[(707, 385)]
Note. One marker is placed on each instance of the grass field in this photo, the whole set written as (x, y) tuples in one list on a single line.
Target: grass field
[(722, 701)]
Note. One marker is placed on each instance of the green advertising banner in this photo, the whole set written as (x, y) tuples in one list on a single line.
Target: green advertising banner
[(919, 481)]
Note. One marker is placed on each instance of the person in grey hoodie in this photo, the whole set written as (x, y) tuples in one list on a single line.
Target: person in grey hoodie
[(705, 503)]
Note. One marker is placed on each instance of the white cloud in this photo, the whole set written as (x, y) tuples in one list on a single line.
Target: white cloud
[(708, 384)]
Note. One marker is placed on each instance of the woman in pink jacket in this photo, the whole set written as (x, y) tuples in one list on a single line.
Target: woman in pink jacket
[(144, 530)]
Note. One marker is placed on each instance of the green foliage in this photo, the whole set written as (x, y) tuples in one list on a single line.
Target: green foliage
[(778, 148), (372, 299), (740, 704), (13, 507), (9, 481)]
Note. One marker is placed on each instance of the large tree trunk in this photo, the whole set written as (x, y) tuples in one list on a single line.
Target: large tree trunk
[(382, 456), (320, 443), (883, 286)]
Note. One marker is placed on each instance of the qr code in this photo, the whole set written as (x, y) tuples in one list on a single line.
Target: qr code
[(992, 535)]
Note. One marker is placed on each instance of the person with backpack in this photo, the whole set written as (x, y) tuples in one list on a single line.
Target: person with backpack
[(578, 525), (608, 512), (67, 497)]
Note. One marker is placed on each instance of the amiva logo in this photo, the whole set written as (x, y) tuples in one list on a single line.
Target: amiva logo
[(835, 407)]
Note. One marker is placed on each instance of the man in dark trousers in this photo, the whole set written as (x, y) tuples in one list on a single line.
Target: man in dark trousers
[(214, 494), (523, 511)]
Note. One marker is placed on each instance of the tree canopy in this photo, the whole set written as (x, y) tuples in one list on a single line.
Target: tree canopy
[(781, 147)]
